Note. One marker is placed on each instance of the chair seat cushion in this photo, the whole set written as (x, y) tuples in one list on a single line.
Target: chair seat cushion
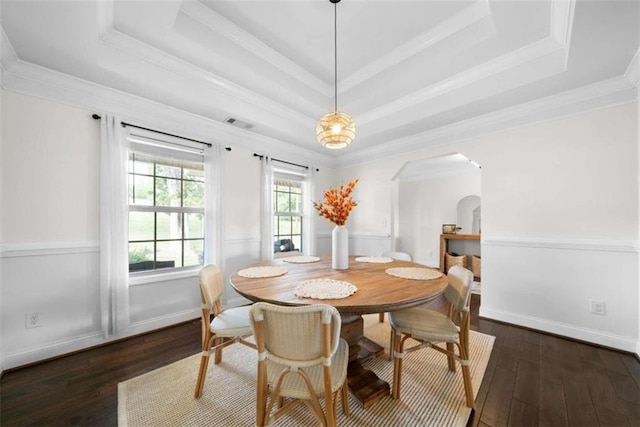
[(425, 325), (232, 322), (294, 386)]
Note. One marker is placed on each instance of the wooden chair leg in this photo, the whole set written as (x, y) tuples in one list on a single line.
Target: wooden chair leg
[(262, 418), (331, 411), (451, 361), (202, 374), (468, 390), (345, 399), (381, 317), (218, 351), (466, 373), (397, 367), (392, 343)]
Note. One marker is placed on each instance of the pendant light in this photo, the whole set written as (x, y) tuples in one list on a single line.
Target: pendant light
[(336, 129)]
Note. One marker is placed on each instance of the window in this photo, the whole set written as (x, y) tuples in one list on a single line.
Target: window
[(166, 211), (288, 215)]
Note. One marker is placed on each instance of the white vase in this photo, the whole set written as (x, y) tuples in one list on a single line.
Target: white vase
[(340, 248)]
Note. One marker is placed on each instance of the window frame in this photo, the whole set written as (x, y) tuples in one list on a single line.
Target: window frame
[(279, 178), (151, 152)]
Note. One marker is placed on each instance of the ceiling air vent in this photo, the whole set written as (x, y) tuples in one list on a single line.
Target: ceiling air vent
[(238, 123)]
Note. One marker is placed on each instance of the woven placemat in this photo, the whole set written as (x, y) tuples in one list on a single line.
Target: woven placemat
[(375, 259), (415, 273), (261, 272), (301, 259), (324, 289)]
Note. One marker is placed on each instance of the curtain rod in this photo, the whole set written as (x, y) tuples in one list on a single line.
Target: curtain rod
[(97, 117), (283, 161)]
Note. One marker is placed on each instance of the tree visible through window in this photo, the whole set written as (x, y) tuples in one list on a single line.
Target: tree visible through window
[(287, 220), (166, 213)]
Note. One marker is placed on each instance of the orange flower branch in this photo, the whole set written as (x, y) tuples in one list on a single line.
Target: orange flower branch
[(337, 203)]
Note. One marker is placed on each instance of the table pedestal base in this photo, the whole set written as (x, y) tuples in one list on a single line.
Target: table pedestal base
[(363, 384)]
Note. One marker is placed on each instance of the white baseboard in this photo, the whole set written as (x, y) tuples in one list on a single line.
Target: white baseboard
[(84, 342), (629, 344), (164, 321)]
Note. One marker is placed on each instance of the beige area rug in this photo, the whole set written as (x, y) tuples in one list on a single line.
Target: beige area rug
[(431, 395)]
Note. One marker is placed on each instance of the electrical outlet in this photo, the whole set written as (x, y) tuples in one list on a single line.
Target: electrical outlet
[(33, 319), (598, 307)]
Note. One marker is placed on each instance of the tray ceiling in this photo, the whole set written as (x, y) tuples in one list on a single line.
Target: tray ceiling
[(406, 69)]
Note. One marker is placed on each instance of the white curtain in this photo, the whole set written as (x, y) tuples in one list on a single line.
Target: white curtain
[(308, 221), (213, 216), (266, 209), (114, 219)]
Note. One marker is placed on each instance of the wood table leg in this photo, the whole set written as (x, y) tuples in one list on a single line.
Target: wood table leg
[(363, 384)]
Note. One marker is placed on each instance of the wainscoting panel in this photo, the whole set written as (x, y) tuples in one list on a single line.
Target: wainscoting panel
[(551, 285), (60, 281)]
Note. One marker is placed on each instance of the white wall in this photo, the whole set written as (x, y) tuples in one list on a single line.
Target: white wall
[(560, 207), (560, 221), (50, 230), (1, 222), (424, 206)]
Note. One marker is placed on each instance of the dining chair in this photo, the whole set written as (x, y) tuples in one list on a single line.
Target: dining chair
[(431, 328), (400, 256), (220, 328), (301, 358)]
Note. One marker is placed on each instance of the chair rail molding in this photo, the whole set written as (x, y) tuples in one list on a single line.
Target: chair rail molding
[(12, 250), (630, 246)]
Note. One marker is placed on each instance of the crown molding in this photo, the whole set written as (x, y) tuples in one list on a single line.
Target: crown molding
[(607, 93), (40, 82), (504, 63), (545, 50), (8, 56), (142, 51), (562, 12), (104, 17), (633, 70), (216, 22), (468, 16)]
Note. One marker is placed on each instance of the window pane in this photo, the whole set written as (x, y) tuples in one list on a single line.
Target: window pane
[(169, 225), (283, 202), (194, 226), (141, 226), (297, 242), (168, 192), (296, 203), (169, 254), (140, 190), (168, 171), (140, 256), (193, 173), (193, 194), (296, 225), (284, 225), (142, 166), (193, 252)]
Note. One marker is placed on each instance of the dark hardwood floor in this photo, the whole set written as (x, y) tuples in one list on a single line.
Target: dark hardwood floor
[(532, 379)]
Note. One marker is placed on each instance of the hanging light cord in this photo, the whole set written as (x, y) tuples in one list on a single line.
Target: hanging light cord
[(335, 56)]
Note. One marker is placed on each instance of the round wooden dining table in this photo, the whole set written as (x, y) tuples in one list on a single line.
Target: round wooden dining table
[(377, 292)]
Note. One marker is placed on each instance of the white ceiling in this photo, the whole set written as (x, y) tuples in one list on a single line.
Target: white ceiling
[(407, 70)]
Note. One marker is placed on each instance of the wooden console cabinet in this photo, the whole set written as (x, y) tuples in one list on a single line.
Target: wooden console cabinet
[(444, 244)]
